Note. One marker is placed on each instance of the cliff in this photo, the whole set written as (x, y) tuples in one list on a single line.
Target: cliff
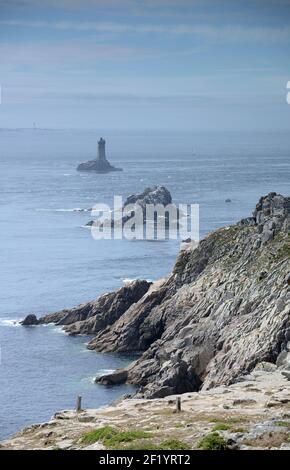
[(224, 308)]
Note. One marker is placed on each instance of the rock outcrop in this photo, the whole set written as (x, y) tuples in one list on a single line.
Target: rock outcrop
[(152, 195), (97, 166), (94, 316), (224, 308), (30, 320)]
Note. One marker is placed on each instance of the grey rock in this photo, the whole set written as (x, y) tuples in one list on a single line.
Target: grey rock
[(283, 359), (286, 373), (152, 195), (30, 320), (262, 275), (118, 377), (244, 402), (99, 314), (266, 367), (211, 321)]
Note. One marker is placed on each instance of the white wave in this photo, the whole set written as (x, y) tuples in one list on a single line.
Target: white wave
[(104, 372), (128, 281), (91, 379), (74, 209), (58, 329), (10, 322)]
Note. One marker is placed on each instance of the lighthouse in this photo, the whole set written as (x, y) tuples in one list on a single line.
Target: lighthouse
[(100, 164), (102, 150)]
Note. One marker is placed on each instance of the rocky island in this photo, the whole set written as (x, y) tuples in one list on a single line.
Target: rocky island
[(152, 195), (224, 308), (100, 164)]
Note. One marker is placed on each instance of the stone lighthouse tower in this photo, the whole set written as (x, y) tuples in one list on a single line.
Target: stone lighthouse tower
[(102, 150), (99, 164)]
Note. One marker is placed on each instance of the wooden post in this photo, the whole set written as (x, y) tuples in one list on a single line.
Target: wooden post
[(178, 404), (79, 404)]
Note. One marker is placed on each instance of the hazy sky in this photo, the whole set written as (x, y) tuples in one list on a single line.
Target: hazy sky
[(192, 64)]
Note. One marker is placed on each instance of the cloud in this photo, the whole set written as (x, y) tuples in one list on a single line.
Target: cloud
[(63, 54), (233, 33)]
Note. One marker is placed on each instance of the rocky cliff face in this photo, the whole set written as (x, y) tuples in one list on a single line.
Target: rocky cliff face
[(224, 308)]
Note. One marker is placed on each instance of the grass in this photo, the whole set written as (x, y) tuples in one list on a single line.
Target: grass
[(282, 424), (127, 436), (284, 252), (111, 437), (221, 427), (229, 426), (169, 444), (268, 440), (100, 434), (239, 430), (212, 441)]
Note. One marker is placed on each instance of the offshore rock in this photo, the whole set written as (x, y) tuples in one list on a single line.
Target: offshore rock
[(30, 320), (152, 195)]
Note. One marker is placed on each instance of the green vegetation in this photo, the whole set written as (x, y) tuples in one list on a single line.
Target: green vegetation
[(174, 444), (228, 420), (221, 427), (283, 424), (110, 436), (170, 444), (212, 441), (126, 436), (284, 251), (239, 430), (100, 434)]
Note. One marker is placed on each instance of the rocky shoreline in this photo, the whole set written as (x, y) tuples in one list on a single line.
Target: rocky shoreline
[(253, 413), (224, 308)]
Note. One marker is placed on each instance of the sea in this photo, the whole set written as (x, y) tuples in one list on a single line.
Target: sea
[(50, 261)]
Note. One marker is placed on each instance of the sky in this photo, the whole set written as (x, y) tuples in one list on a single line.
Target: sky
[(145, 64)]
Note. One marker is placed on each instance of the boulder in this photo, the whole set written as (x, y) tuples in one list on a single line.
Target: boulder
[(30, 320), (115, 378)]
